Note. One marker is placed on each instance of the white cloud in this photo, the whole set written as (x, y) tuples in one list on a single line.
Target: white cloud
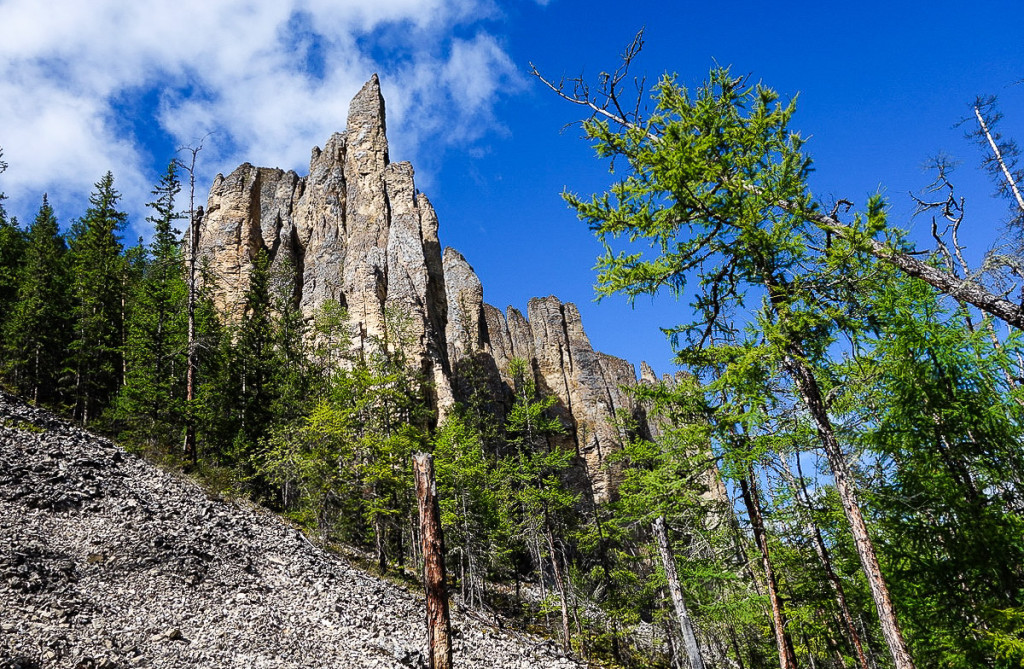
[(268, 79)]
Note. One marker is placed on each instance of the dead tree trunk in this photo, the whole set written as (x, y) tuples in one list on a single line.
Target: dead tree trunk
[(439, 627), (561, 585), (685, 624), (190, 452), (195, 218)]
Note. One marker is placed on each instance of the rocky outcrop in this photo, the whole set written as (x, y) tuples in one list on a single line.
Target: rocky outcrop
[(108, 562), (357, 231), (367, 211)]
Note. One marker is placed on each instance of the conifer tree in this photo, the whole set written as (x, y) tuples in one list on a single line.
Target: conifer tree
[(36, 333), (150, 404), (253, 362), (12, 250), (467, 503), (946, 431), (717, 185), (533, 493), (98, 269)]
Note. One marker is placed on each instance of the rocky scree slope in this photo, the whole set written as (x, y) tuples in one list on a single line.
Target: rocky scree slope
[(106, 561)]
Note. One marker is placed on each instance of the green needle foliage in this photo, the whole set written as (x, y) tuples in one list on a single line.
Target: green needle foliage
[(151, 403), (36, 333), (98, 302)]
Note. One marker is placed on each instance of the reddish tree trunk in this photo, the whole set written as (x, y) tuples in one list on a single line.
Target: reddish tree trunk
[(439, 627), (787, 659), (807, 385)]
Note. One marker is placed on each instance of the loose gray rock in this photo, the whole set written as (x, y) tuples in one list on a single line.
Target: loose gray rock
[(108, 562)]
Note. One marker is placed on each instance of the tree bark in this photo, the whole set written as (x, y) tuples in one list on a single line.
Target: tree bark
[(685, 624), (963, 290), (1011, 184), (560, 583), (807, 386), (195, 219), (439, 627), (787, 659), (800, 493), (190, 452)]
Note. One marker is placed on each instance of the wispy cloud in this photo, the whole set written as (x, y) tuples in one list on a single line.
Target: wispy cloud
[(112, 84)]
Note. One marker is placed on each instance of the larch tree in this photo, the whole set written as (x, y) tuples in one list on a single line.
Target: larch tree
[(715, 201)]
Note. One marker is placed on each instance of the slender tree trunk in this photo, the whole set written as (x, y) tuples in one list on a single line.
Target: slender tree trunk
[(439, 628), (748, 488), (807, 386), (1010, 182), (814, 532), (560, 584), (35, 378), (685, 624), (195, 217), (736, 648), (382, 555), (190, 451)]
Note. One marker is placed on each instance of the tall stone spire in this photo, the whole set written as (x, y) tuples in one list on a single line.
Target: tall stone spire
[(364, 277)]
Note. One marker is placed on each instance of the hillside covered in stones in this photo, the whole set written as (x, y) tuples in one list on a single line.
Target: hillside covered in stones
[(108, 562), (356, 230)]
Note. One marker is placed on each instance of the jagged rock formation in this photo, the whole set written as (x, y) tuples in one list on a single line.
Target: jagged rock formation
[(110, 563), (357, 231)]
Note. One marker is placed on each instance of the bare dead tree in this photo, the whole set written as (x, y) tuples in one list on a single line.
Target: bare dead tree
[(439, 627), (195, 217), (1002, 161), (607, 100), (668, 562)]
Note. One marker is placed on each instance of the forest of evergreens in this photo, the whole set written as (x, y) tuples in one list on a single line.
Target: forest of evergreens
[(837, 479)]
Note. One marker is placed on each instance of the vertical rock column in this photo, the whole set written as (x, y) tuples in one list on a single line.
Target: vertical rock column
[(587, 383), (248, 210), (320, 222), (411, 281), (364, 278)]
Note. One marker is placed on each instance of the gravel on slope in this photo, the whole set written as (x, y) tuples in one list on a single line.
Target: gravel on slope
[(106, 561)]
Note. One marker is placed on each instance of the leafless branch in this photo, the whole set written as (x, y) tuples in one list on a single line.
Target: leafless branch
[(609, 99)]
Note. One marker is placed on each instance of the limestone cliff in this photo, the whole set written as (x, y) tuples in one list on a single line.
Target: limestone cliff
[(357, 231)]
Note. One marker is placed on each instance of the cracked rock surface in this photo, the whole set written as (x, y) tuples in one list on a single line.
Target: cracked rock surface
[(106, 561)]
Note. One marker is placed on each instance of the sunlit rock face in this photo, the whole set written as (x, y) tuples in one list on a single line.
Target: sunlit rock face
[(357, 231)]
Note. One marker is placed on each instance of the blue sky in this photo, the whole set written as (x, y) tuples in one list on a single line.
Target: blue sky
[(119, 85)]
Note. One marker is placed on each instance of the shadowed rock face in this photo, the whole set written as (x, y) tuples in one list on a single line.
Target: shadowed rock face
[(356, 231)]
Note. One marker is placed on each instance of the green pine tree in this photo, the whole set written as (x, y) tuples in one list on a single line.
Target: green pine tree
[(12, 251), (151, 403), (37, 332), (98, 293)]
